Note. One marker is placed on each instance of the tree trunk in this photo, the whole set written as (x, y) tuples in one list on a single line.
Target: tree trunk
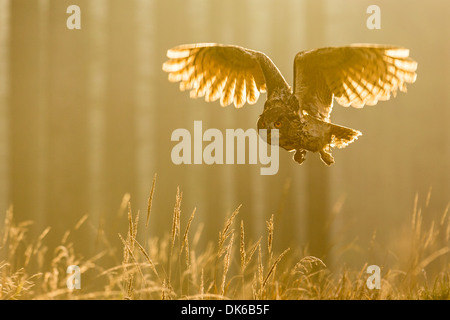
[(317, 180), (5, 7)]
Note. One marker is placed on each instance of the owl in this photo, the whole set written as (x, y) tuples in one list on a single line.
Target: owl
[(354, 75)]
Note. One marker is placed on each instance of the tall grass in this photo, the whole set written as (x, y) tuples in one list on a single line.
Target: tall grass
[(229, 267)]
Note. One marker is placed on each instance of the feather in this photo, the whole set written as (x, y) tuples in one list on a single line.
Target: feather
[(252, 90), (240, 93), (356, 75), (215, 71), (228, 90)]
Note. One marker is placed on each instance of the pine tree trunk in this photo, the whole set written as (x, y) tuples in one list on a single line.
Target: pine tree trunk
[(317, 180)]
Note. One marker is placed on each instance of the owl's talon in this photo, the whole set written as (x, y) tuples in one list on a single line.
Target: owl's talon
[(299, 156), (326, 157)]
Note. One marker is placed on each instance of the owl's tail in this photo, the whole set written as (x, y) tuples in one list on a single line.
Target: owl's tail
[(342, 136)]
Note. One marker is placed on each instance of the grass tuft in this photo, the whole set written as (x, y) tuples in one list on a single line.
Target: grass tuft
[(174, 266)]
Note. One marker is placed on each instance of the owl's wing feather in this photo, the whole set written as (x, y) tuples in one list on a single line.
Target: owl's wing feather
[(232, 74), (356, 75)]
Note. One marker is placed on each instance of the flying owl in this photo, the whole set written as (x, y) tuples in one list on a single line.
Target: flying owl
[(355, 75)]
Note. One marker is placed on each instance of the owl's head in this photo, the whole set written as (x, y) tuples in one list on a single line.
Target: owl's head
[(285, 120)]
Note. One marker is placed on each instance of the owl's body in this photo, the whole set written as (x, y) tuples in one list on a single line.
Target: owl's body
[(301, 132), (355, 76)]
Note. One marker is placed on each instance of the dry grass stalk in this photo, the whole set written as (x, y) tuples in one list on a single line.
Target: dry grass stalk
[(252, 251), (202, 284), (226, 266), (242, 248), (135, 264), (245, 256), (270, 228), (175, 231), (226, 232), (81, 222), (445, 225), (273, 267), (308, 265), (185, 242), (176, 218), (150, 200), (7, 225), (260, 272), (128, 252), (425, 262), (147, 257)]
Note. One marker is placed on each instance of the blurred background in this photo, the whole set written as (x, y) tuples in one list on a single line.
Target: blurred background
[(86, 117)]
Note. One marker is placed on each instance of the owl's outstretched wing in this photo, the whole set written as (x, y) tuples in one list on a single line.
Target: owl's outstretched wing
[(231, 73), (356, 75)]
